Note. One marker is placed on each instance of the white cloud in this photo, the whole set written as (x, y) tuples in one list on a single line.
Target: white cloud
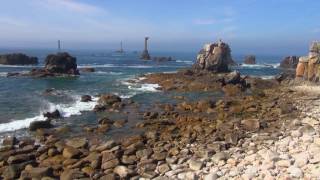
[(71, 5)]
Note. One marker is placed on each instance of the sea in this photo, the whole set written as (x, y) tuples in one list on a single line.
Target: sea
[(23, 99)]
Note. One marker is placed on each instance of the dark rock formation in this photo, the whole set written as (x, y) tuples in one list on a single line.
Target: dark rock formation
[(52, 115), (251, 59), (86, 98), (145, 55), (61, 63), (17, 59), (214, 57), (160, 59), (39, 125), (289, 62)]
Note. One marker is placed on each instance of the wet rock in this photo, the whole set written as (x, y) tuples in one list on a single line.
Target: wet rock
[(17, 59), (36, 173), (108, 99), (231, 90), (77, 142), (119, 123), (86, 98), (20, 158), (52, 115), (39, 125), (250, 59), (110, 164), (11, 172), (70, 152), (9, 141), (71, 174)]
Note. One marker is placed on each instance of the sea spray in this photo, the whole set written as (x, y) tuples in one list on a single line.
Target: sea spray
[(66, 110)]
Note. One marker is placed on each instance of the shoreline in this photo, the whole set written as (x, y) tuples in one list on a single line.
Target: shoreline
[(184, 139)]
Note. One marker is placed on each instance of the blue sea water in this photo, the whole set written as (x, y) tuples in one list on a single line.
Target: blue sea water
[(22, 99)]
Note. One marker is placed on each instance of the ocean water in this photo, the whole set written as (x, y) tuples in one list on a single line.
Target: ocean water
[(22, 99)]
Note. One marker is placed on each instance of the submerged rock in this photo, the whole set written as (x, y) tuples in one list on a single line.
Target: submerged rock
[(88, 69), (17, 59), (39, 125), (160, 59), (250, 59), (214, 57)]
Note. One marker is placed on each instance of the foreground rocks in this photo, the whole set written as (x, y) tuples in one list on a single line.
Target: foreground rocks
[(17, 59)]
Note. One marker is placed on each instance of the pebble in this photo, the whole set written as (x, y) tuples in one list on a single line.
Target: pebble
[(195, 165)]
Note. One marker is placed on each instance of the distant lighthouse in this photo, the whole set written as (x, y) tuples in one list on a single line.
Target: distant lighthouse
[(145, 54), (59, 46)]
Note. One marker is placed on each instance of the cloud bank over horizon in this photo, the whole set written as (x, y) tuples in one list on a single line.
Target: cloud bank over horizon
[(250, 26)]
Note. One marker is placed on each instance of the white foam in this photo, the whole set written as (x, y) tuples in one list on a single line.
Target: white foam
[(3, 74), (66, 110), (123, 66), (145, 87), (108, 73), (259, 66), (18, 66), (186, 62), (20, 124)]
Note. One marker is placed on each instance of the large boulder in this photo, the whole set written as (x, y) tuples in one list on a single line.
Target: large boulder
[(289, 62), (250, 59), (61, 63), (17, 59), (215, 57)]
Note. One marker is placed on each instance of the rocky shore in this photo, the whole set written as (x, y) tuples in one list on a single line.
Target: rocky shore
[(251, 129), (262, 131)]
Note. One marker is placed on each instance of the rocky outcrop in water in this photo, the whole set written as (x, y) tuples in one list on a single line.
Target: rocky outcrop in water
[(61, 63), (289, 62), (250, 59), (17, 59), (162, 59), (145, 55), (215, 57)]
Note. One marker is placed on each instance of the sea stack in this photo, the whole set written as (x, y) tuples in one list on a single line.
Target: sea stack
[(145, 54), (215, 57), (250, 59), (308, 66), (289, 62), (17, 59)]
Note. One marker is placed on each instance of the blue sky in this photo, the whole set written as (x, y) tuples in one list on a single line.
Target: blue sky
[(249, 26)]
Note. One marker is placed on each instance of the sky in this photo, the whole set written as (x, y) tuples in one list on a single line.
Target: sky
[(249, 26)]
